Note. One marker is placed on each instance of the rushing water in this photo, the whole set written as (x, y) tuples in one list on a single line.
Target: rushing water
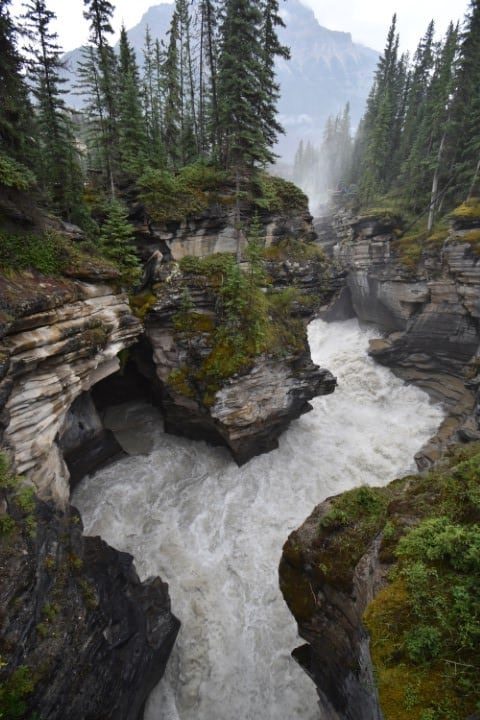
[(215, 532)]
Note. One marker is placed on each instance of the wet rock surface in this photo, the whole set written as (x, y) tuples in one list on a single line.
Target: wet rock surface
[(87, 638), (429, 311), (250, 409)]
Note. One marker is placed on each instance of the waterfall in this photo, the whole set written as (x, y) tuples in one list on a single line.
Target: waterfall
[(215, 532)]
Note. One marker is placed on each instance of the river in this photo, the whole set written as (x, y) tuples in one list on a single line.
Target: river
[(215, 532)]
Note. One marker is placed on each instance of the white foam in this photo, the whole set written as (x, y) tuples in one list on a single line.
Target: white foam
[(215, 532)]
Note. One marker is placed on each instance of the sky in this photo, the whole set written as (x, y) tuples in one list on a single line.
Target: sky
[(367, 20)]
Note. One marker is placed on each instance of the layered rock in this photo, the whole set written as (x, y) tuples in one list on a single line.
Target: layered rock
[(60, 338), (429, 310), (248, 409), (81, 637), (214, 230)]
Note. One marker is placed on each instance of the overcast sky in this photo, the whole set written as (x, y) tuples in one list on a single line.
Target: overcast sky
[(367, 20)]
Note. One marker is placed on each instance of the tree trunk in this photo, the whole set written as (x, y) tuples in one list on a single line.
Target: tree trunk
[(436, 176), (474, 181), (237, 219)]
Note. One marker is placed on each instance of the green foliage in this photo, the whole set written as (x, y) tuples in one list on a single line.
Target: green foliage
[(45, 253), (14, 692), (117, 242), (168, 196), (15, 175), (425, 625), (250, 320), (277, 195)]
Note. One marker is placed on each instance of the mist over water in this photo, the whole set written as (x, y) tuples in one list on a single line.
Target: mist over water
[(215, 532)]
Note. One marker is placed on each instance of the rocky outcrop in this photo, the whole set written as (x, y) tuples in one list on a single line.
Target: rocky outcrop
[(247, 409), (366, 626), (81, 637), (329, 614), (214, 230), (428, 306), (59, 338)]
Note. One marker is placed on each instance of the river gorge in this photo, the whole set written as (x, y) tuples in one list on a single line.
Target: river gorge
[(215, 532)]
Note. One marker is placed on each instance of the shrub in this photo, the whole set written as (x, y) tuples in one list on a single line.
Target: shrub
[(15, 175)]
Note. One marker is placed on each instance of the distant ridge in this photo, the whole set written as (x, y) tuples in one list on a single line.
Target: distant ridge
[(326, 71)]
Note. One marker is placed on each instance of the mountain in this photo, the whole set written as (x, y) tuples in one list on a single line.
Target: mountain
[(326, 71)]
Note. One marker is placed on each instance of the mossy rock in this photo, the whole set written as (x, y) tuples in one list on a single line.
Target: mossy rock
[(469, 210)]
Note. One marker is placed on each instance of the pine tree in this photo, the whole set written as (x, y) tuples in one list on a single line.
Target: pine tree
[(15, 108), (241, 89), (189, 144), (466, 110), (272, 49), (98, 79), (131, 123), (208, 94), (58, 166), (117, 241), (380, 122), (173, 99)]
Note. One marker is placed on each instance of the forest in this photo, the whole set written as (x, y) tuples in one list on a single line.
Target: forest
[(417, 149), (193, 111)]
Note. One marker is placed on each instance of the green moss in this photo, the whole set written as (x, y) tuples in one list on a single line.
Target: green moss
[(211, 266), (469, 210), (295, 250), (142, 303), (15, 175), (170, 197), (14, 693), (425, 625), (275, 194), (179, 381), (473, 238), (96, 338)]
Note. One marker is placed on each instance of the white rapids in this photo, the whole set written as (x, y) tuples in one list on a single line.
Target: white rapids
[(215, 532)]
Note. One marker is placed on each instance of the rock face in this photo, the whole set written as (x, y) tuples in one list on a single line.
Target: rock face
[(357, 564), (64, 337), (77, 626), (213, 231), (250, 409), (329, 617), (81, 636), (429, 311)]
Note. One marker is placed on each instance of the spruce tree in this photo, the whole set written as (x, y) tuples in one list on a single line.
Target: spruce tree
[(208, 93), (466, 110), (58, 168), (98, 80), (131, 122), (15, 108), (241, 89), (117, 241), (173, 99), (272, 49)]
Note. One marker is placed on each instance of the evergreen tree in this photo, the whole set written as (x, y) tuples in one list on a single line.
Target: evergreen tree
[(131, 123), (208, 94), (57, 162), (379, 129), (272, 49), (466, 110), (117, 241), (98, 79), (241, 87), (172, 123), (15, 108)]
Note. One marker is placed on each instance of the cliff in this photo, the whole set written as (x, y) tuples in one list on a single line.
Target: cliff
[(80, 634), (392, 574), (423, 293), (230, 353)]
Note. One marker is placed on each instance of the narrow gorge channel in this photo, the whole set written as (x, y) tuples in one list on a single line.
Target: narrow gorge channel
[(215, 532)]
